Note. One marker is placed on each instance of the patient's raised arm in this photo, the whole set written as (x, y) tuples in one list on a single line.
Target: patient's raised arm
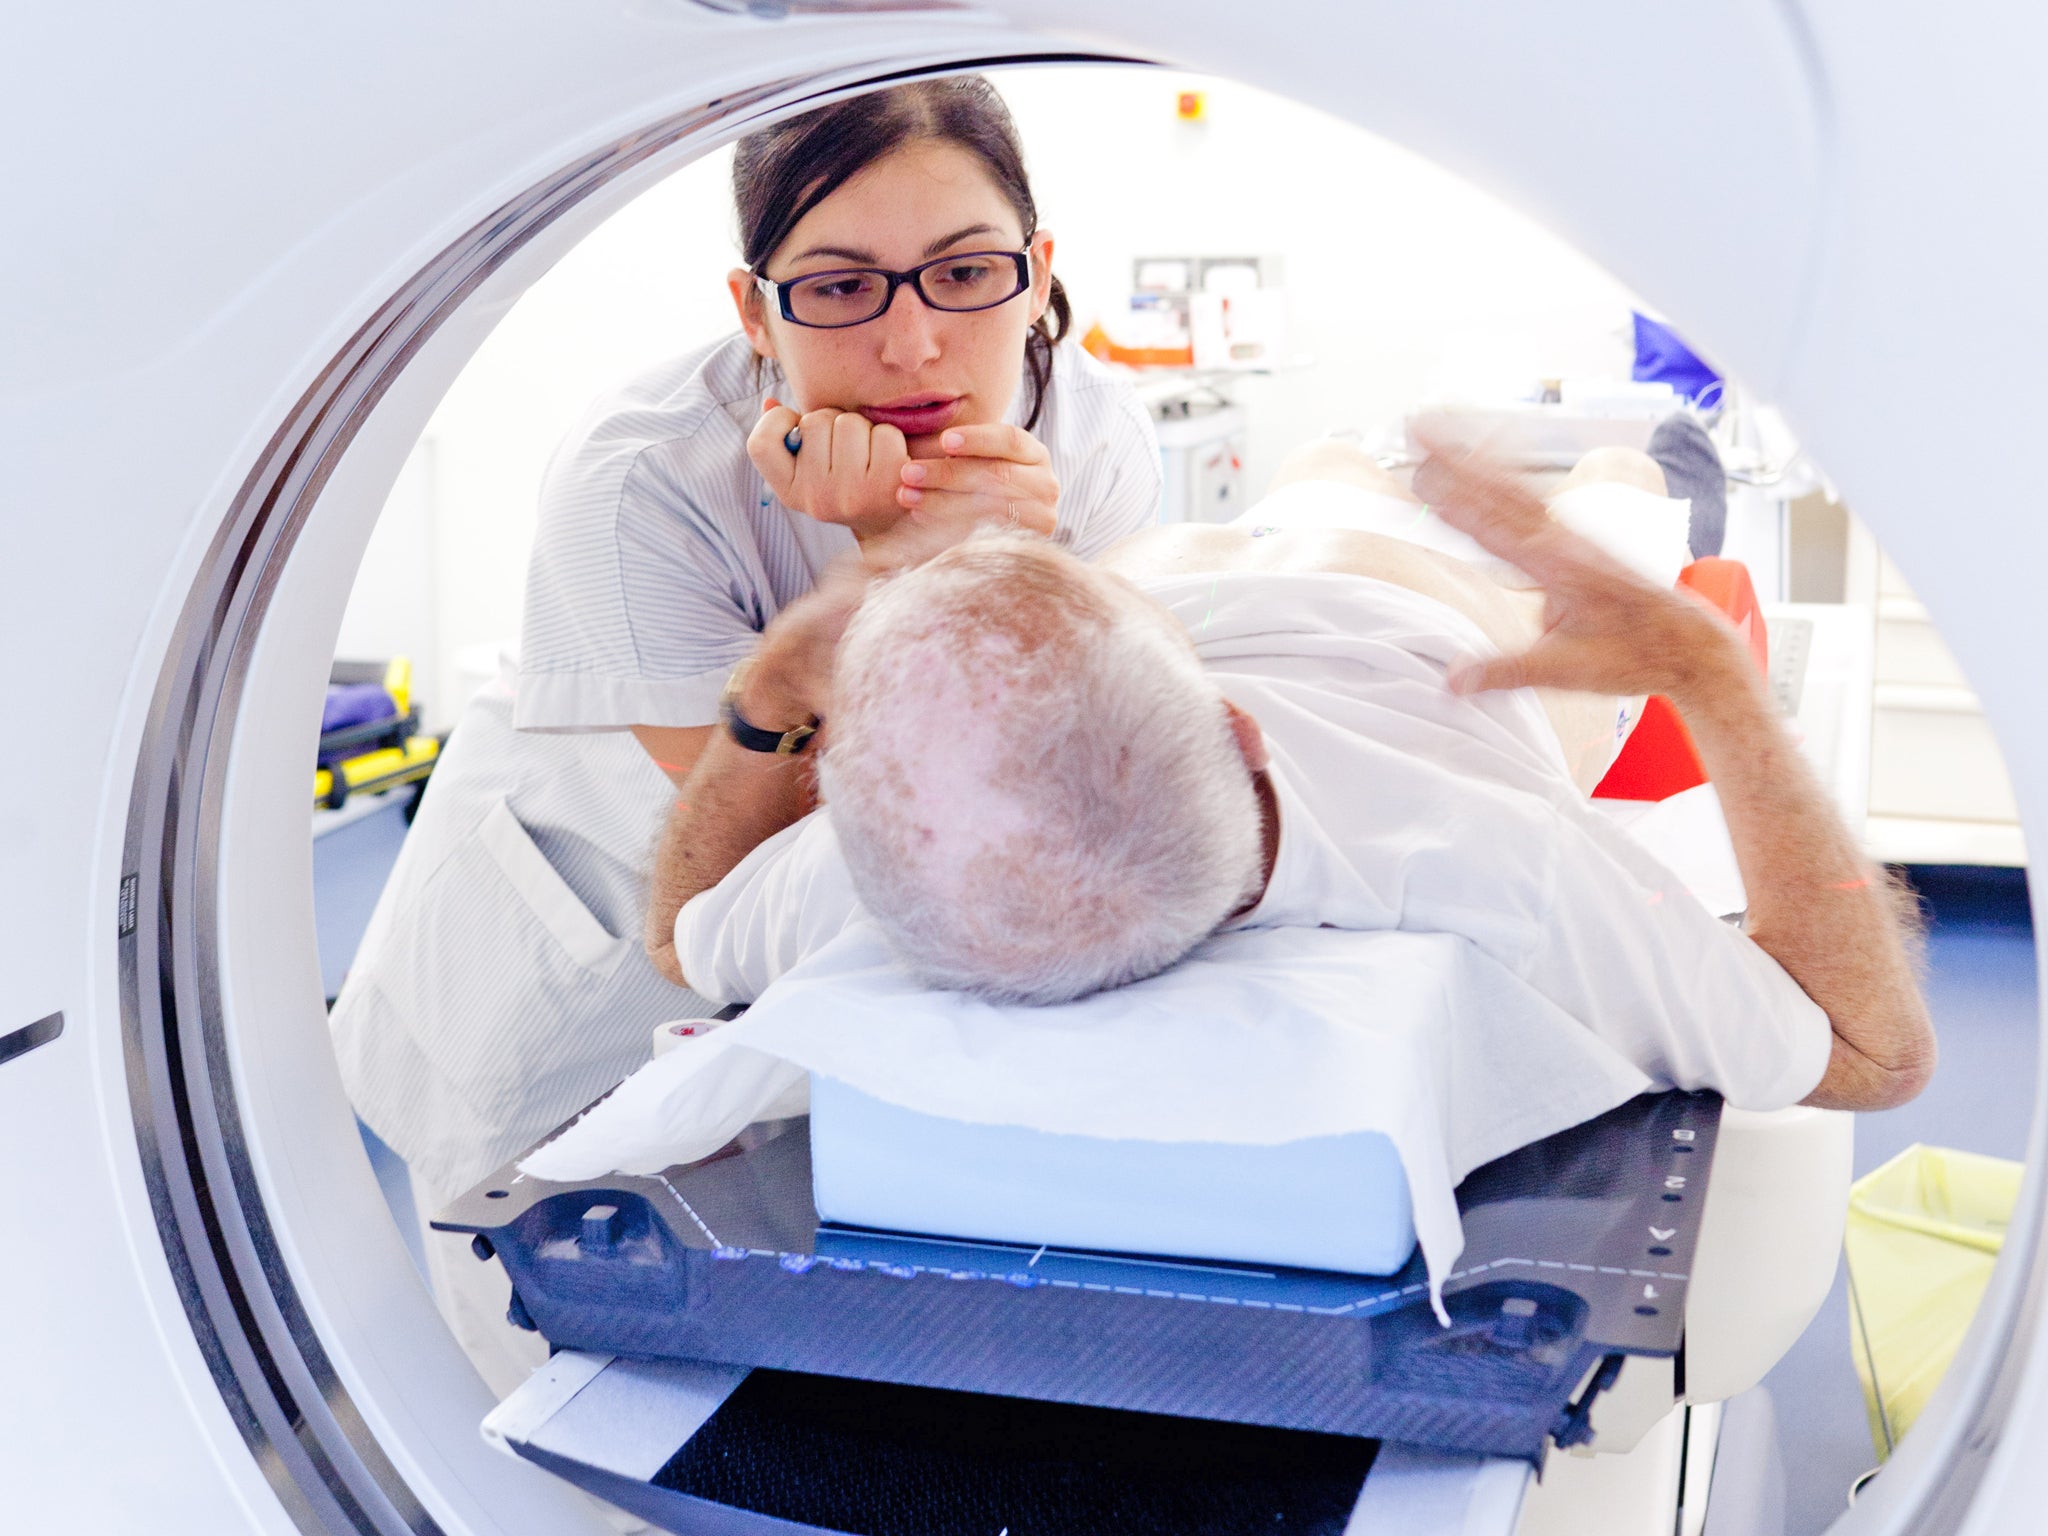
[(1817, 905)]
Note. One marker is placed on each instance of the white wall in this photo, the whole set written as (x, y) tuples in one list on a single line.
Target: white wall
[(648, 283), (1399, 275), (1402, 280)]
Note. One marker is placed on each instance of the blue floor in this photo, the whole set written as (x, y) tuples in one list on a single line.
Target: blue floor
[(1981, 990)]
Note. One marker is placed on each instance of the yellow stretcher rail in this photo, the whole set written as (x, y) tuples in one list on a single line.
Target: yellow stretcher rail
[(387, 751), (385, 768)]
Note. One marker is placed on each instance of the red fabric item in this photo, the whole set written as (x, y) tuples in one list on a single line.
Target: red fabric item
[(1659, 759)]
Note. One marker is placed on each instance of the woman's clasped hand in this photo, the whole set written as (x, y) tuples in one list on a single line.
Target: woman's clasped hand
[(861, 474)]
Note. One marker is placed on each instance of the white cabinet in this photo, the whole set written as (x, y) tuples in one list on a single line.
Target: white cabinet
[(1201, 454), (1939, 791)]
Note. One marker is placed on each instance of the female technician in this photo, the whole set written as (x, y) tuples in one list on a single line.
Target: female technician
[(900, 330), (900, 357)]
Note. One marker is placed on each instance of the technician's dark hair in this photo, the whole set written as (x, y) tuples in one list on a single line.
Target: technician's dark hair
[(782, 173)]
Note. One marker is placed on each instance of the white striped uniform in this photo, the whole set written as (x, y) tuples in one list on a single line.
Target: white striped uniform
[(502, 985)]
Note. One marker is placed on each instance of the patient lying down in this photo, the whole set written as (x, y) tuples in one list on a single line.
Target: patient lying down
[(1045, 778)]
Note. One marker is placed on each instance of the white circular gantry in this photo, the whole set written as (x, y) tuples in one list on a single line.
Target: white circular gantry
[(248, 249)]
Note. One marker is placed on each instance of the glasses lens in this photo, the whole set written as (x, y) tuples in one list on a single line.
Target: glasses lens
[(837, 298), (972, 282)]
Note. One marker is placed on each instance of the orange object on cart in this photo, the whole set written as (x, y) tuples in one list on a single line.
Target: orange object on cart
[(1659, 759)]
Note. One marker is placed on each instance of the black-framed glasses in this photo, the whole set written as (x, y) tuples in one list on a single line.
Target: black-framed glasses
[(957, 284)]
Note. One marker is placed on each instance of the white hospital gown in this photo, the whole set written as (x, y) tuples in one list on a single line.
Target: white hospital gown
[(1402, 806)]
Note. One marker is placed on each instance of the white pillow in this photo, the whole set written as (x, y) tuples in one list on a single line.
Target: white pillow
[(1260, 1038)]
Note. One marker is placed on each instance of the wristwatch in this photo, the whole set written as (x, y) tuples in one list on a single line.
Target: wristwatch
[(752, 737)]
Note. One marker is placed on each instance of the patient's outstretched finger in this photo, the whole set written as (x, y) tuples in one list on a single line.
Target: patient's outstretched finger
[(1485, 676)]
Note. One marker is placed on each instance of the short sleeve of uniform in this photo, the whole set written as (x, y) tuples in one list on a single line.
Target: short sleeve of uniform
[(646, 583), (1105, 454)]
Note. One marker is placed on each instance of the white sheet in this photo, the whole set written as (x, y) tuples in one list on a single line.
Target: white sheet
[(1261, 1036), (1689, 836)]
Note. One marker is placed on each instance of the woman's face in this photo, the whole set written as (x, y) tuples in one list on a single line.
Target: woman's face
[(913, 367)]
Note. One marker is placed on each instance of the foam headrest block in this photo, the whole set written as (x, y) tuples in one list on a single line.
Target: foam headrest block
[(1659, 759)]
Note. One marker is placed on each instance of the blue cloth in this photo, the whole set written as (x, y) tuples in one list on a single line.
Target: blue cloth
[(353, 704), (1663, 358)]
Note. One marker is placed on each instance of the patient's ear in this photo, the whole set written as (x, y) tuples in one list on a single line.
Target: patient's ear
[(1251, 741)]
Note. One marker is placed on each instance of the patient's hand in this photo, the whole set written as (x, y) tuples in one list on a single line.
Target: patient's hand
[(1605, 629), (1816, 903)]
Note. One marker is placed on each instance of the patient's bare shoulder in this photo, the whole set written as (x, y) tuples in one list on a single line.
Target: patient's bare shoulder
[(1184, 549), (1176, 549)]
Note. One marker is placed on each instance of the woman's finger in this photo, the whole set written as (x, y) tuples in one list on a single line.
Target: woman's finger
[(815, 443), (850, 434), (993, 440), (888, 453), (765, 449), (1031, 513), (994, 476), (793, 439)]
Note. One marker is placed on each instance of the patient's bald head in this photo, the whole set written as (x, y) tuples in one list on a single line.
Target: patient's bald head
[(1038, 791)]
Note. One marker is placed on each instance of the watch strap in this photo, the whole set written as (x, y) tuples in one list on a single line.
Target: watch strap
[(751, 736)]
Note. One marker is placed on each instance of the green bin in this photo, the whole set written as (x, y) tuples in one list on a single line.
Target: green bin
[(1923, 1233)]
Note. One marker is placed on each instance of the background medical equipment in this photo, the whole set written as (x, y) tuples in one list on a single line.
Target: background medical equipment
[(370, 738), (373, 761), (1215, 313), (337, 214), (1205, 318), (1663, 356), (1201, 449), (1941, 791), (1202, 319)]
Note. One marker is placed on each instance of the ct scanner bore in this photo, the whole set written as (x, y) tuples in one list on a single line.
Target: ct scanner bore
[(229, 1305)]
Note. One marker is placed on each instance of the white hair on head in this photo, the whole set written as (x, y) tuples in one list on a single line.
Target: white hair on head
[(1036, 787)]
